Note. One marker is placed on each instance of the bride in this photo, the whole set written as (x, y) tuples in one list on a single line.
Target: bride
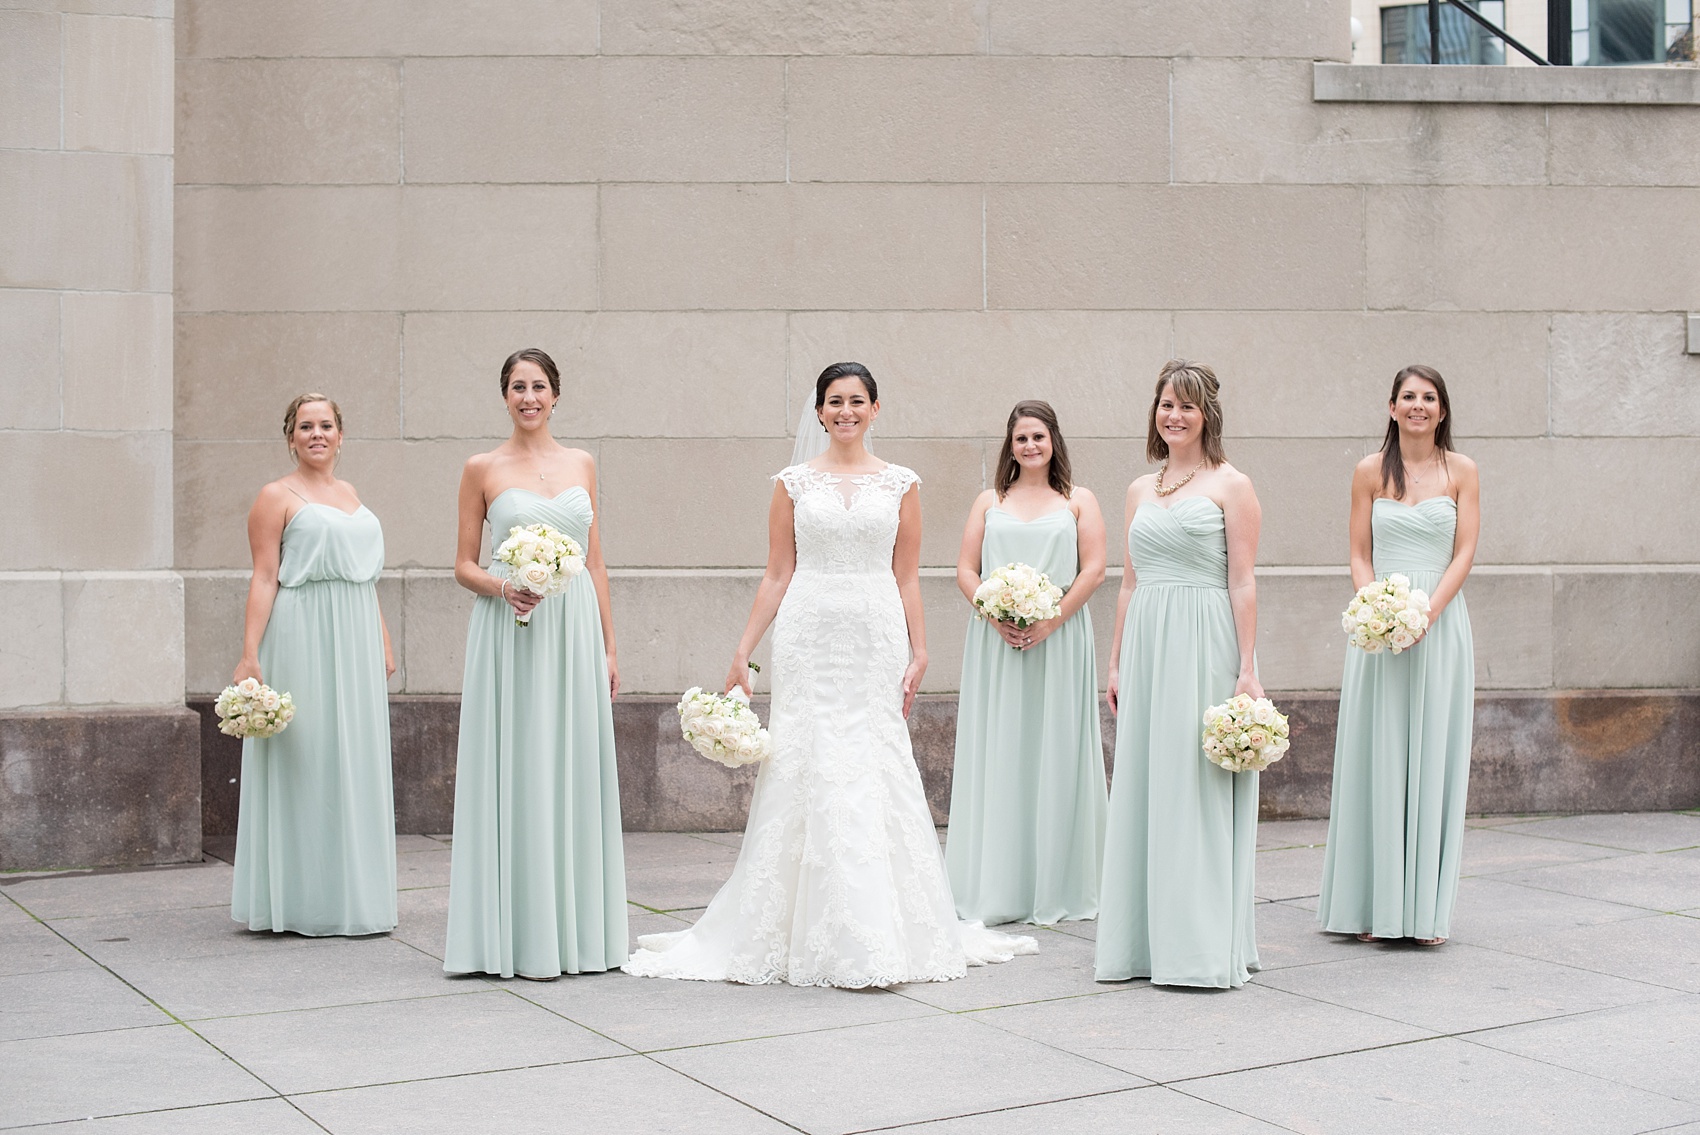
[(840, 880)]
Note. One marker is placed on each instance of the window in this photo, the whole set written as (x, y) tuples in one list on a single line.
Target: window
[(1404, 33), (1607, 32)]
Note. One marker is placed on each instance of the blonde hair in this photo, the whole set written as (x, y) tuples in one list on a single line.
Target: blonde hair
[(295, 407), (1195, 383)]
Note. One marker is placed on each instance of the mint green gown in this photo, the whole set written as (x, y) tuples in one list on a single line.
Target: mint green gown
[(1176, 900), (315, 829), (537, 879), (1027, 798), (1402, 751)]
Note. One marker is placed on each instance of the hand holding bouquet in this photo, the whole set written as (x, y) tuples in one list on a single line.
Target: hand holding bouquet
[(723, 727), (1019, 594), (1388, 614), (252, 709), (1244, 733), (543, 560)]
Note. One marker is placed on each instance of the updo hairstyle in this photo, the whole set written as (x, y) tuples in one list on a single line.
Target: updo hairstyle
[(544, 363), (844, 370), (294, 408)]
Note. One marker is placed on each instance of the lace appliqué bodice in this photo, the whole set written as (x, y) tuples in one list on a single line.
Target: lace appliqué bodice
[(838, 532)]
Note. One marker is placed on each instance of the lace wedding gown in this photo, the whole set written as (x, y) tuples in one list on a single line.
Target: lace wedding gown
[(840, 880)]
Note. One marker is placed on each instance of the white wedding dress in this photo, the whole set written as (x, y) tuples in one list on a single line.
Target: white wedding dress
[(840, 880)]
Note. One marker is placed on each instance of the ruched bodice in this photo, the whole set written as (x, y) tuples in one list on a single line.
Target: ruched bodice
[(1049, 543), (323, 542), (1182, 545), (569, 512), (839, 535), (1413, 537)]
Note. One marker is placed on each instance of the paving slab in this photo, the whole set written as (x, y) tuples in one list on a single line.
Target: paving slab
[(119, 940), (28, 946), (1066, 971), (1289, 935), (886, 1075), (1660, 949), (677, 849), (1445, 1085), (1489, 851), (650, 1014), (422, 919), (1456, 987), (685, 886), (1665, 881), (1630, 831), (1650, 1046), (53, 1079), (61, 1001), (1164, 1034), (423, 868), (355, 1045), (628, 1096), (123, 892), (1134, 1111), (1492, 908), (1288, 873), (1291, 833), (256, 1117), (405, 844)]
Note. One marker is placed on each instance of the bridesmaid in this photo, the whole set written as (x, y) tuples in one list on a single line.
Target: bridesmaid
[(1402, 749), (537, 882), (315, 831), (1177, 890), (1027, 798)]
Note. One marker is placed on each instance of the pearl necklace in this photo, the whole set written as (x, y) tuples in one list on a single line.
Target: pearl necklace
[(1163, 491)]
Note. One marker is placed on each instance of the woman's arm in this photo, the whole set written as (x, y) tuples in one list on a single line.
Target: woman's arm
[(598, 569), (265, 540), (1243, 518), (1123, 598), (906, 566), (389, 654), (1366, 478), (469, 534), (781, 565), (973, 538), (1468, 480)]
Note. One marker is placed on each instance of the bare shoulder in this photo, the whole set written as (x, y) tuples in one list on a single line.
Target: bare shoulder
[(479, 464), (1459, 464), (986, 499), (1233, 481), (273, 492), (1082, 495), (581, 458)]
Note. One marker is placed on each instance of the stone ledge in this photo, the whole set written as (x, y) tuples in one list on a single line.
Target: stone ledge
[(1418, 82)]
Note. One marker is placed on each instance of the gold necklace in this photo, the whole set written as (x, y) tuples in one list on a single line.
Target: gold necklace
[(1164, 468)]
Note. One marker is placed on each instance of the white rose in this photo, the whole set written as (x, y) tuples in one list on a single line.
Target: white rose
[(1263, 713), (248, 687), (534, 576), (1402, 639), (269, 701)]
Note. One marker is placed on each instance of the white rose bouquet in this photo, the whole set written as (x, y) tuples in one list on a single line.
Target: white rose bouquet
[(723, 727), (1388, 614), (543, 560), (1018, 594), (252, 709), (1244, 733)]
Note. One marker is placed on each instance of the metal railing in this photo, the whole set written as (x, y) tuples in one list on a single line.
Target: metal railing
[(1434, 7)]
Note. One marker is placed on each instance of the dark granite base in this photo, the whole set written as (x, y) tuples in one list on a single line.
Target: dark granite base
[(106, 788)]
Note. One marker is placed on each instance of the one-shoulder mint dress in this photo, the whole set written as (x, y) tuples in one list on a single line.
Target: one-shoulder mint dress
[(315, 830), (537, 880), (1402, 751), (1027, 798), (1176, 900)]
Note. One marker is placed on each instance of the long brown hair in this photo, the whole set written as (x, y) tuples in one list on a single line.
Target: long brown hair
[(294, 408), (1060, 474), (1195, 383), (1392, 460)]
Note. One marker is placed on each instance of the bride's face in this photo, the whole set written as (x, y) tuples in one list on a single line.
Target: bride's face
[(847, 410)]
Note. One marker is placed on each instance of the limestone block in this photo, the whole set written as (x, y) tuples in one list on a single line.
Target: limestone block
[(1511, 621), (953, 473), (865, 118), (271, 121), (792, 27), (434, 609), (1253, 120), (956, 374), (1304, 488), (413, 488), (1623, 145), (653, 496), (947, 616), (623, 374), (1545, 501), (1302, 29), (382, 28), (1496, 248), (116, 352), (99, 222), (29, 360), (237, 372), (215, 483), (678, 628), (1299, 642), (29, 80), (1629, 627), (157, 8), (598, 119), (32, 627), (124, 638), (1622, 374), (1168, 247), (61, 487), (1343, 362), (791, 246), (1107, 466), (117, 75), (499, 247), (305, 248), (214, 603)]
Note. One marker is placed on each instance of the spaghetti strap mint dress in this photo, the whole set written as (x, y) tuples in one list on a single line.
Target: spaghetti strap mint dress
[(537, 878), (315, 829), (1402, 751), (1027, 798), (1176, 900)]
